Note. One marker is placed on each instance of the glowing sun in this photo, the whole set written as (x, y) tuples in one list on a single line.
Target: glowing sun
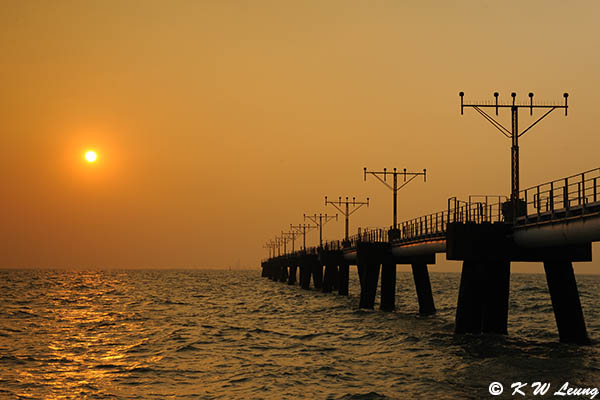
[(91, 156)]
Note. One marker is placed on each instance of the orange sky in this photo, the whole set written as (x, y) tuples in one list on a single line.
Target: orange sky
[(219, 123)]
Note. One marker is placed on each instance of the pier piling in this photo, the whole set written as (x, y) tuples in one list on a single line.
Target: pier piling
[(469, 306), (369, 280), (317, 274), (496, 292), (388, 286), (423, 287), (292, 275), (343, 279), (305, 273), (283, 273), (565, 302), (329, 278)]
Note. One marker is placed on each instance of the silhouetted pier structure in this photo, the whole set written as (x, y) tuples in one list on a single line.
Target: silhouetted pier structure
[(558, 223), (553, 223)]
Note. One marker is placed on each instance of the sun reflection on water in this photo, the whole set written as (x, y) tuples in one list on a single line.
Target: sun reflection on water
[(87, 335)]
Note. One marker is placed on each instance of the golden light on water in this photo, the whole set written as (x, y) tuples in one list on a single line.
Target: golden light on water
[(91, 156)]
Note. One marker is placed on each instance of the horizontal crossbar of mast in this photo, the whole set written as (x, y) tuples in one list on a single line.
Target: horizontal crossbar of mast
[(515, 105)]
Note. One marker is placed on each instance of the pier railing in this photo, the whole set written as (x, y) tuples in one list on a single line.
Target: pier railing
[(478, 209), (368, 235), (333, 245), (573, 195)]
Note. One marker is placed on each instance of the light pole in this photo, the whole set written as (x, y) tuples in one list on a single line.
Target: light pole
[(320, 220), (346, 211), (394, 187), (512, 134), (302, 229)]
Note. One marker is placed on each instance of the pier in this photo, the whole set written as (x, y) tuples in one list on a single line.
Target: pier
[(553, 223)]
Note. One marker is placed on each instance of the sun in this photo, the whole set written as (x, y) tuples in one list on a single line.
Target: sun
[(91, 156)]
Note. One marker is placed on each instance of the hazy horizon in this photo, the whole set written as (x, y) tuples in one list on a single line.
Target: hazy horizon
[(450, 267)]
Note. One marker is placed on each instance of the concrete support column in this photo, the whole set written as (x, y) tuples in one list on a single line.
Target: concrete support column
[(565, 302), (496, 292), (335, 277), (369, 277), (388, 286), (483, 297), (300, 274), (317, 273), (469, 308), (423, 286), (328, 278), (283, 273), (305, 272), (361, 271), (292, 275), (274, 274), (343, 279)]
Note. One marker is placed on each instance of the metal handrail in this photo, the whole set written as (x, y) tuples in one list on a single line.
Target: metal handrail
[(435, 225), (369, 235), (558, 198)]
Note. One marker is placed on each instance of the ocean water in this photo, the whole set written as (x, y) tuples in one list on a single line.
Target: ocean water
[(234, 335)]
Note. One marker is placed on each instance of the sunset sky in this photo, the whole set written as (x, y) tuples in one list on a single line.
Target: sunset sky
[(218, 124)]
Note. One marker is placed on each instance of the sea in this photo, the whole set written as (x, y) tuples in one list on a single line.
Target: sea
[(203, 334)]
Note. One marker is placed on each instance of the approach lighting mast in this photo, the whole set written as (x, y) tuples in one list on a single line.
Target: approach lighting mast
[(277, 243), (270, 245), (513, 133), (302, 229), (284, 238), (291, 235), (346, 211), (394, 186), (320, 220)]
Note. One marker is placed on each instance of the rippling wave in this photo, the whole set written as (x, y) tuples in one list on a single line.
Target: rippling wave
[(231, 334)]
